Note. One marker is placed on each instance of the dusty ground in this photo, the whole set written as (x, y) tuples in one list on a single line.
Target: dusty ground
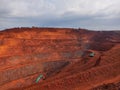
[(62, 56)]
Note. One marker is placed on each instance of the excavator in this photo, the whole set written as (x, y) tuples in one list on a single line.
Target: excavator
[(40, 77)]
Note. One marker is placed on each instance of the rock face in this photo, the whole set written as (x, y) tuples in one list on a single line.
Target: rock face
[(62, 56)]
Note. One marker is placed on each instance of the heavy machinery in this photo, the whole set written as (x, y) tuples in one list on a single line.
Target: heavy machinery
[(40, 77), (92, 54)]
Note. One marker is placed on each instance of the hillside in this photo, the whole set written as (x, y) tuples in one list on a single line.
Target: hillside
[(62, 56)]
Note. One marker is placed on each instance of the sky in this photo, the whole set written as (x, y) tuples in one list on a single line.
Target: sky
[(89, 14)]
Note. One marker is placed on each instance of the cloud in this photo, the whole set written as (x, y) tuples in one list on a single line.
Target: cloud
[(91, 14)]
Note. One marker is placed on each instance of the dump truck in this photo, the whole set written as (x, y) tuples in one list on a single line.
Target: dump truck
[(92, 54)]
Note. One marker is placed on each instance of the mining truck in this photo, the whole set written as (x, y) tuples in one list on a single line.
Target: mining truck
[(92, 54)]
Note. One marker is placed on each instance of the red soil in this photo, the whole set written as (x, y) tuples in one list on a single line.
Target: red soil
[(62, 56)]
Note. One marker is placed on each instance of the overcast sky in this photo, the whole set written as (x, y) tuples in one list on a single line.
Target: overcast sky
[(89, 14)]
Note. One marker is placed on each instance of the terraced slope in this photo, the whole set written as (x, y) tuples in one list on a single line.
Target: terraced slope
[(61, 55)]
